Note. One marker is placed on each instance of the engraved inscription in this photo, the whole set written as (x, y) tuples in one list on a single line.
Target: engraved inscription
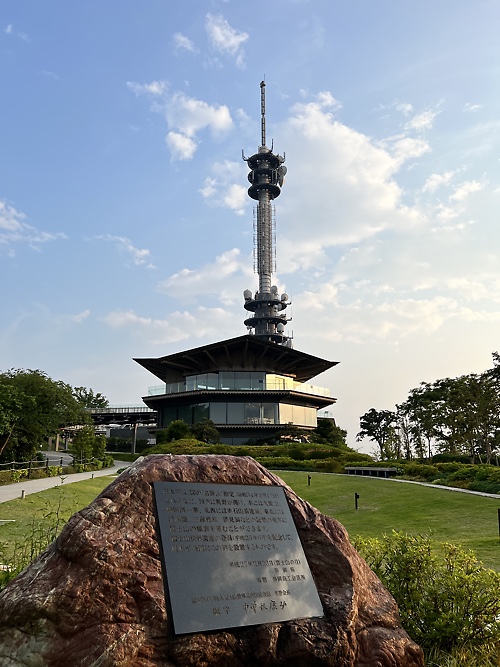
[(232, 556)]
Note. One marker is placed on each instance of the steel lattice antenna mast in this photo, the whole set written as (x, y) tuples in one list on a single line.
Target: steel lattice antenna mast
[(266, 177)]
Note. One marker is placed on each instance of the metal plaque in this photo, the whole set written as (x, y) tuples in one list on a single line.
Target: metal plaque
[(232, 556)]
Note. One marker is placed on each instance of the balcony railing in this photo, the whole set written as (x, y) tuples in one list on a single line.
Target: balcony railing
[(275, 385)]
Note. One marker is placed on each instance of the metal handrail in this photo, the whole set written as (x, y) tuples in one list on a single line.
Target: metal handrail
[(301, 387)]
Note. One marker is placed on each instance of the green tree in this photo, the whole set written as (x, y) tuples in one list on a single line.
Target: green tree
[(456, 415), (89, 399), (327, 432), (83, 444), (176, 430), (205, 431), (12, 405), (35, 408), (378, 426), (87, 445)]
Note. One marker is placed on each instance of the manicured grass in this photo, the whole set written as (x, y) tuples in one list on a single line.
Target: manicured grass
[(446, 516), (384, 505), (40, 511)]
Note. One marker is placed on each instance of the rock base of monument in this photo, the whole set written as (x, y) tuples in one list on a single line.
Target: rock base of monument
[(96, 597)]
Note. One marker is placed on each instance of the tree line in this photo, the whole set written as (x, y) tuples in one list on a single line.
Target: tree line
[(33, 407), (451, 416)]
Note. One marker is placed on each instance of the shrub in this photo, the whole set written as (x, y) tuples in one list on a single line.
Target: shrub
[(485, 486), (450, 458), (445, 600), (448, 468), (325, 465), (176, 430), (464, 473), (421, 471)]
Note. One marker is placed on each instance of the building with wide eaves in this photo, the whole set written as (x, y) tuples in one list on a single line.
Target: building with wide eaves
[(250, 388), (255, 385)]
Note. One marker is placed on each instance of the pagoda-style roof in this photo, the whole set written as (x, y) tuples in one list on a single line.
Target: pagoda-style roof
[(245, 353)]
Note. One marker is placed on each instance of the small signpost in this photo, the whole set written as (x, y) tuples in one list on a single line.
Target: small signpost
[(356, 498), (232, 556)]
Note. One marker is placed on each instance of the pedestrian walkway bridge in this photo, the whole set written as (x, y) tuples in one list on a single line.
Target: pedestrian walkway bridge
[(123, 414)]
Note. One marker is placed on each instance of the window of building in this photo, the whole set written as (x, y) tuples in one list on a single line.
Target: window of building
[(218, 413), (200, 411), (235, 413)]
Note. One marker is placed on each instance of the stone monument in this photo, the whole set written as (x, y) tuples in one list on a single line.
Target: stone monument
[(96, 597)]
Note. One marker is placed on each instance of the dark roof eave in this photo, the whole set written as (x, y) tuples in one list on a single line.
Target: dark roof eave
[(242, 353)]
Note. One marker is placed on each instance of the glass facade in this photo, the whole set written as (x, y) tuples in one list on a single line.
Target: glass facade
[(298, 414), (257, 413), (238, 381)]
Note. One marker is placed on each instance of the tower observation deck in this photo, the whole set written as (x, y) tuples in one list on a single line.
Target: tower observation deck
[(266, 177)]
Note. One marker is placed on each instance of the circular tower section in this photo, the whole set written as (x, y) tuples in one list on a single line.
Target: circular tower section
[(266, 177)]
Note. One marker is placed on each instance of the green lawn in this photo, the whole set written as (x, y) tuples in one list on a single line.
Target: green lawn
[(447, 516), (39, 511)]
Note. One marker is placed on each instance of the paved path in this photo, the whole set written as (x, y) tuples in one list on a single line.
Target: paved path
[(11, 491), (441, 486)]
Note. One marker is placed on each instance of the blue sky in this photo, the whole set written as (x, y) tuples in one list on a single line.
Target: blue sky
[(125, 228)]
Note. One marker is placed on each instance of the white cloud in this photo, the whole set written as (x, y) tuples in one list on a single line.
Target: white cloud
[(189, 115), (214, 278), (177, 326), (219, 189), (183, 43), (436, 181), (472, 108), (224, 38), (9, 30), (140, 256), (340, 187), (13, 230), (181, 146), (186, 117), (407, 149), (236, 198), (422, 121), (155, 88), (404, 107), (80, 317), (465, 189)]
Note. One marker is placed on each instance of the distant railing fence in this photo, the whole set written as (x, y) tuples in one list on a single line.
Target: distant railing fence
[(36, 464)]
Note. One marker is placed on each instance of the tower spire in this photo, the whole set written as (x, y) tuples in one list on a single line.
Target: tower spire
[(263, 112), (266, 177)]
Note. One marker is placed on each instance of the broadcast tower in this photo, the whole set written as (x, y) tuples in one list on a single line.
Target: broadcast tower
[(254, 386), (267, 173)]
